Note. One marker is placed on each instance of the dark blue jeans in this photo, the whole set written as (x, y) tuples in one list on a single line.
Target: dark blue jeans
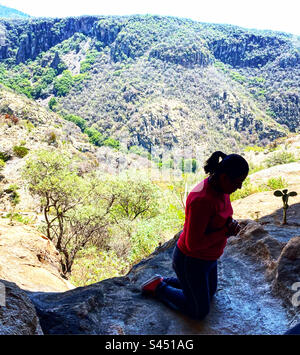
[(196, 283)]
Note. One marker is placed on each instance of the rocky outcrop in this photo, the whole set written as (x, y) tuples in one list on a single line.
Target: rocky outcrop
[(17, 313), (287, 272), (36, 35), (185, 54), (280, 257), (244, 303), (255, 241), (286, 106), (29, 259), (248, 50)]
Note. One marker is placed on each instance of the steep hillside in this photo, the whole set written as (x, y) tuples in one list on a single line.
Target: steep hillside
[(26, 126), (158, 81)]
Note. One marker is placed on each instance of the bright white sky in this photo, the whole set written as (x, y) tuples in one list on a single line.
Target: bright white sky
[(281, 15)]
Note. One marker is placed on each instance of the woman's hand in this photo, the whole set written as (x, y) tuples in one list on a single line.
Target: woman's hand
[(233, 227)]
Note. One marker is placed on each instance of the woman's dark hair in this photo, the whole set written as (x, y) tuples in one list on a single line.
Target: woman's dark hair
[(233, 165)]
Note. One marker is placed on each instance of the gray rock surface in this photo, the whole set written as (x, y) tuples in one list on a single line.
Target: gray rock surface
[(287, 271), (17, 313), (244, 303)]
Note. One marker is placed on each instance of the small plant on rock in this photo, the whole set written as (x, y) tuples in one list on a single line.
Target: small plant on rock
[(20, 151), (285, 198), (14, 198)]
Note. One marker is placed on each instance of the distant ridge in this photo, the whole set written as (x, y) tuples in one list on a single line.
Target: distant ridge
[(7, 12)]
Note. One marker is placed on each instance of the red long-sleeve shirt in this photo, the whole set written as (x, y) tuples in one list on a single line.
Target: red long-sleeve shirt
[(204, 232)]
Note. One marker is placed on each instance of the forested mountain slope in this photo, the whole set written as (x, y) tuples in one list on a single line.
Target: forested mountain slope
[(158, 81)]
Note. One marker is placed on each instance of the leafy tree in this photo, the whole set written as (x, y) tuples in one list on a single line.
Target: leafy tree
[(62, 85), (136, 202), (110, 142), (79, 121), (52, 103), (95, 136), (134, 197), (75, 208)]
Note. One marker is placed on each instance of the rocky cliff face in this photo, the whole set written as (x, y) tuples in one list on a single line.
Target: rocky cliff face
[(26, 40), (250, 270), (245, 81), (17, 315), (248, 50), (254, 296), (29, 259)]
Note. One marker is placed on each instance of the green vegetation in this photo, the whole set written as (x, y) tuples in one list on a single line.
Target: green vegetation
[(74, 210), (284, 194), (89, 61), (19, 218), (14, 198), (20, 151), (95, 137), (277, 183), (4, 156), (133, 69), (280, 158), (125, 217), (62, 85), (249, 188), (2, 164), (254, 148), (52, 103), (79, 121)]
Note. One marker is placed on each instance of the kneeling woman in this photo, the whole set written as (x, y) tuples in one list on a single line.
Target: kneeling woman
[(208, 224)]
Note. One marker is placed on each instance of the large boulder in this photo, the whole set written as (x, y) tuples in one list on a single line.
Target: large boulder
[(17, 313), (243, 303), (288, 271), (29, 259), (255, 241)]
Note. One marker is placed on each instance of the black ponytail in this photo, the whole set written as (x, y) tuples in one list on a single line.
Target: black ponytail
[(212, 163), (233, 165)]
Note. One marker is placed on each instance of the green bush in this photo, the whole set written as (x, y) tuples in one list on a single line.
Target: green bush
[(4, 156), (79, 121), (51, 138), (254, 148), (93, 265), (28, 125), (95, 136), (277, 183), (52, 103), (2, 164), (89, 61), (246, 190), (19, 218), (280, 158), (63, 84), (20, 151), (110, 142), (14, 195)]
